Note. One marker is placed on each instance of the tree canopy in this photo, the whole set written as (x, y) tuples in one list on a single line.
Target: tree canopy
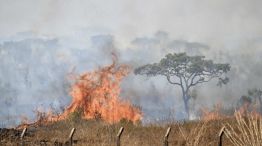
[(193, 69), (186, 71)]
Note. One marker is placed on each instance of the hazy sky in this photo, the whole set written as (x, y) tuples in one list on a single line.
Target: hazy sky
[(212, 21), (83, 33)]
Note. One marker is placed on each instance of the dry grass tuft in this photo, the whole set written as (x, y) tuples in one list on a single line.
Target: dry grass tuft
[(247, 130)]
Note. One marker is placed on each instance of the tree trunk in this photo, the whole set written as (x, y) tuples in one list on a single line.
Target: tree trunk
[(186, 99)]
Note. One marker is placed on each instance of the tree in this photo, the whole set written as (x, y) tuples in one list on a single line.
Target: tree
[(251, 101), (186, 71), (256, 94)]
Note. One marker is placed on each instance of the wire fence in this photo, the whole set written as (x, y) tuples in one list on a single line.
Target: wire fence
[(71, 141)]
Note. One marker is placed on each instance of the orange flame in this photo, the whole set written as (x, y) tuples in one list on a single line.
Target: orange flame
[(97, 93), (208, 115)]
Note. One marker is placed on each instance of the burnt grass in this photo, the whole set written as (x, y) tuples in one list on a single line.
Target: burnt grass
[(98, 133)]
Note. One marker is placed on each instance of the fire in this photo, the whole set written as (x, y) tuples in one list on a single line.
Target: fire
[(215, 114), (97, 94)]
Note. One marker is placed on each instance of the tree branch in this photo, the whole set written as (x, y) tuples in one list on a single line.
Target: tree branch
[(171, 82), (203, 80)]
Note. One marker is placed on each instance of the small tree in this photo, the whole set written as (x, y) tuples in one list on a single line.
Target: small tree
[(256, 94), (253, 98), (186, 72)]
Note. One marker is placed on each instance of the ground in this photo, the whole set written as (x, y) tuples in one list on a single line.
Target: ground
[(98, 133)]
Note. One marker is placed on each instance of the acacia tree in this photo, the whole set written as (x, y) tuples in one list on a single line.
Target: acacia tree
[(186, 72)]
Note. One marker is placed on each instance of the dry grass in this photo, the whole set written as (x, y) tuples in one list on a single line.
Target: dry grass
[(98, 133), (194, 136), (246, 132)]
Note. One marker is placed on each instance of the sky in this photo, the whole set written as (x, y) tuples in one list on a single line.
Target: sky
[(213, 21), (41, 41)]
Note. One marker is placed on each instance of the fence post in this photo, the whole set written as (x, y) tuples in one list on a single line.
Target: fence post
[(71, 136), (221, 133), (119, 136), (22, 136), (166, 136)]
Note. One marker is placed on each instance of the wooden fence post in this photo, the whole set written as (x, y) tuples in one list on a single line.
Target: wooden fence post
[(166, 136), (119, 136), (71, 136), (22, 136), (221, 133)]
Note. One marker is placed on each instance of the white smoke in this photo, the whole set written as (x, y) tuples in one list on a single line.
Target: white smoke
[(42, 41)]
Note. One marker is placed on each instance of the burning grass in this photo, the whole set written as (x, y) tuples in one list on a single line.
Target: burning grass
[(97, 95)]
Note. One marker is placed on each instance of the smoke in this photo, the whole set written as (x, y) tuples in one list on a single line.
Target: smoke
[(41, 42), (34, 72), (157, 92), (245, 70)]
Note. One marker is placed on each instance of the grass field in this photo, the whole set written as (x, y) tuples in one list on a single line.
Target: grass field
[(98, 133), (240, 130)]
